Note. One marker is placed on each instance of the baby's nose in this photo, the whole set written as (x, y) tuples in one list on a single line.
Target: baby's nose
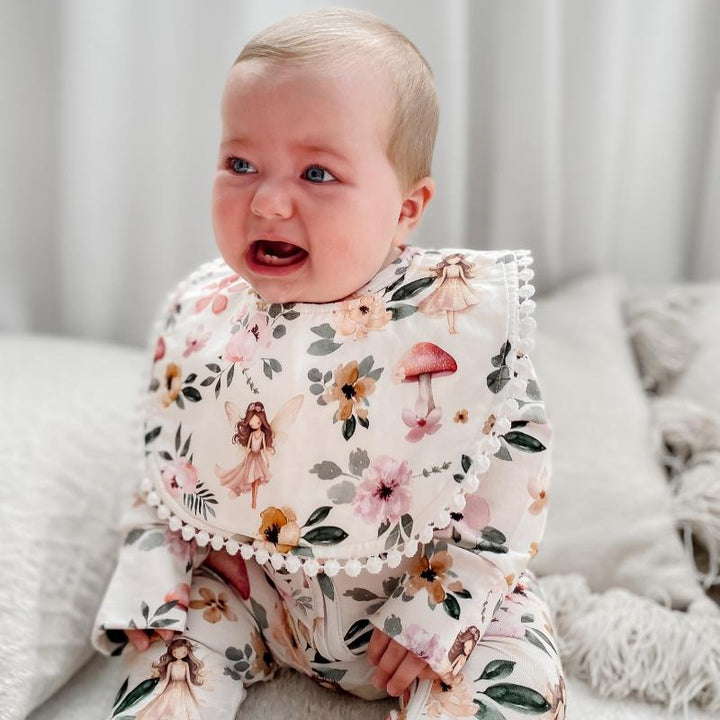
[(271, 199)]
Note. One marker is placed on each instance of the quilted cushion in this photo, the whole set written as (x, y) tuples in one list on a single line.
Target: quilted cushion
[(610, 508)]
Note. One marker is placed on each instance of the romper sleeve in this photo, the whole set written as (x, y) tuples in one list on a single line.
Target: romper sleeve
[(451, 588), (151, 582), (150, 587)]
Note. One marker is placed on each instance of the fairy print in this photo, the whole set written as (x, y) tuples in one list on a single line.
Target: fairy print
[(455, 293), (256, 437), (178, 670)]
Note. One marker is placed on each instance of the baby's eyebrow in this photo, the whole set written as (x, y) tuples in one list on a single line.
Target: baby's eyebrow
[(310, 146)]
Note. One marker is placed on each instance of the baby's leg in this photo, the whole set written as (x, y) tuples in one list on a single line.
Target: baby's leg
[(514, 673), (202, 674)]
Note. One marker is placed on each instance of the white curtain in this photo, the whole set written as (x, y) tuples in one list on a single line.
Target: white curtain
[(586, 130)]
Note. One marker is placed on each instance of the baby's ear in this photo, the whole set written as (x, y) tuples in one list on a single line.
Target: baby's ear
[(415, 202)]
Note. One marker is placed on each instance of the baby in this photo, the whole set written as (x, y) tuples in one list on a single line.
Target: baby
[(365, 518)]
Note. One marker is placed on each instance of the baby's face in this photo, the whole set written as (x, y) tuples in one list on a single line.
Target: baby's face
[(302, 160)]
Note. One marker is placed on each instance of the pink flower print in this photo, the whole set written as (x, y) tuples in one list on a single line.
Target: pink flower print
[(217, 297), (505, 625), (178, 547), (420, 422), (181, 593), (159, 349), (537, 487), (179, 477), (243, 345), (419, 642), (470, 520), (196, 340), (384, 493)]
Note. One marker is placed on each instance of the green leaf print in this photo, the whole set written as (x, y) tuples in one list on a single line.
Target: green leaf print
[(466, 462), (342, 493), (322, 347), (326, 585), (279, 331), (523, 441), (325, 535), (365, 365), (121, 691), (496, 669), (326, 470), (324, 331), (361, 594), (348, 429), (318, 515), (259, 614), (136, 694), (165, 607), (497, 379), (487, 713), (359, 461), (314, 375), (149, 437), (452, 607), (192, 394), (399, 312), (392, 625), (518, 697), (530, 637), (412, 289)]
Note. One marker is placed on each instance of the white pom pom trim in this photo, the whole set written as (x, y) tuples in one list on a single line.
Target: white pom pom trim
[(520, 330)]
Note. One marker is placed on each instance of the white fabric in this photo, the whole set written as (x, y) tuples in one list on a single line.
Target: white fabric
[(610, 512), (588, 131)]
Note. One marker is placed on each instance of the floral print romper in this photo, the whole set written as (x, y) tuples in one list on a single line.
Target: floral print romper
[(379, 462)]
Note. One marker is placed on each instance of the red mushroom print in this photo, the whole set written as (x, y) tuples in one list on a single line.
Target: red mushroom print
[(423, 361)]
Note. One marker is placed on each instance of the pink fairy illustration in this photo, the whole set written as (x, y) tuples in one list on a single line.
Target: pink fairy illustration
[(454, 293), (178, 670), (255, 437)]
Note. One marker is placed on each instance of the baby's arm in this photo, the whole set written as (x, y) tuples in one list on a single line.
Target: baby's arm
[(147, 597), (453, 585)]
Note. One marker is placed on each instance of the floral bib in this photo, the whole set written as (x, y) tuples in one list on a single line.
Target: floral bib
[(334, 435)]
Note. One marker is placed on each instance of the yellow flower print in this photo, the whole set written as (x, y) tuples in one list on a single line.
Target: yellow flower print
[(216, 608), (263, 664), (461, 416), (359, 315), (278, 530), (489, 423), (349, 389), (453, 701), (537, 488), (172, 384), (533, 549), (430, 574)]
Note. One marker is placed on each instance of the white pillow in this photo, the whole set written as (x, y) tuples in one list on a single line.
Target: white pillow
[(609, 509), (700, 381), (68, 465)]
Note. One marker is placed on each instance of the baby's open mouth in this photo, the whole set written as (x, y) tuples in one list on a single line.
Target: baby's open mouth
[(272, 252)]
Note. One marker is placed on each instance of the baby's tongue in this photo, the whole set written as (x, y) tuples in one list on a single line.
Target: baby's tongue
[(280, 249)]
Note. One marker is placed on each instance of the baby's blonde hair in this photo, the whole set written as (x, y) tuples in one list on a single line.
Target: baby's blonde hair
[(336, 37)]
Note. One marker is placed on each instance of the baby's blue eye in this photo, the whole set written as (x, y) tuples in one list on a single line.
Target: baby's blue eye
[(317, 173), (235, 165)]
